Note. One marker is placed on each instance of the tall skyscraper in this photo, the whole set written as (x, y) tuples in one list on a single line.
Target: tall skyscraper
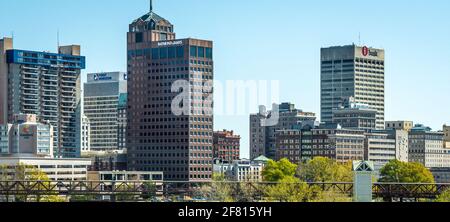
[(47, 85), (102, 98), (352, 71), (122, 120), (159, 139), (5, 44)]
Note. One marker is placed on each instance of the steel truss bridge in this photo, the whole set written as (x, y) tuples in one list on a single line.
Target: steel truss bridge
[(386, 191)]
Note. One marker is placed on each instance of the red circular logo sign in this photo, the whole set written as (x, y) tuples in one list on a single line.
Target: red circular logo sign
[(365, 51)]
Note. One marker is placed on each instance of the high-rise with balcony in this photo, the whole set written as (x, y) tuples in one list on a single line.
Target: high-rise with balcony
[(352, 71), (159, 139), (47, 85)]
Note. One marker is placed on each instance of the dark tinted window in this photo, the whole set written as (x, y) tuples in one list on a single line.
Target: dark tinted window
[(209, 53), (155, 53), (163, 53), (180, 51), (139, 37), (201, 52), (193, 52), (172, 52)]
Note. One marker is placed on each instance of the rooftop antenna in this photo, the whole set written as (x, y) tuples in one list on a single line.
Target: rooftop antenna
[(57, 38), (359, 38), (151, 5)]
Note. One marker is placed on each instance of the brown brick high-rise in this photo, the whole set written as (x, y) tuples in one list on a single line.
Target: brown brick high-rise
[(157, 138), (226, 146)]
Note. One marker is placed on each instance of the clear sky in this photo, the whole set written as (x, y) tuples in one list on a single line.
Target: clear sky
[(264, 40)]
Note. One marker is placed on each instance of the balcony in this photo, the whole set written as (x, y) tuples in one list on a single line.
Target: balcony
[(30, 77), (30, 110), (48, 85), (48, 74), (30, 92), (53, 89)]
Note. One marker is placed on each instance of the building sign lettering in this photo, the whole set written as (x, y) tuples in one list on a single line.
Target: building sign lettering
[(368, 52), (170, 43)]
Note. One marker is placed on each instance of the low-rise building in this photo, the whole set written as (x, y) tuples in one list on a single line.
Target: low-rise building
[(335, 142), (441, 175), (226, 146), (126, 176), (66, 169), (26, 136), (352, 115), (289, 143), (384, 146), (241, 170), (446, 130), (85, 135), (109, 179), (29, 142), (107, 161), (5, 132), (427, 147), (399, 125)]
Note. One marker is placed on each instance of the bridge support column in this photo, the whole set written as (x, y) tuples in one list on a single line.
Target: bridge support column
[(362, 181)]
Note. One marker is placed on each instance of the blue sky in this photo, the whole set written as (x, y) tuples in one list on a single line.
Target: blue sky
[(265, 40)]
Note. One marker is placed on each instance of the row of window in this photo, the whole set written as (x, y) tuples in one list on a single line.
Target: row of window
[(171, 52), (201, 52)]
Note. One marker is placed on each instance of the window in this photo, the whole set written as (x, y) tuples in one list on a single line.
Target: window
[(163, 37), (139, 37), (209, 53), (201, 52), (172, 52), (163, 53), (193, 51), (155, 53), (180, 52)]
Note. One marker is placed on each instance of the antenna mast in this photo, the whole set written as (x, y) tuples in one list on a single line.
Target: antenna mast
[(57, 38), (151, 5), (359, 38)]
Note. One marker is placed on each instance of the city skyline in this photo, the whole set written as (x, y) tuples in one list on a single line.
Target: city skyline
[(299, 66)]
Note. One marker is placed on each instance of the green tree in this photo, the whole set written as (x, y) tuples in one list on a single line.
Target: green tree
[(150, 191), (277, 171), (221, 189), (218, 190), (403, 172), (34, 178), (322, 169), (444, 197), (331, 196), (289, 189)]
